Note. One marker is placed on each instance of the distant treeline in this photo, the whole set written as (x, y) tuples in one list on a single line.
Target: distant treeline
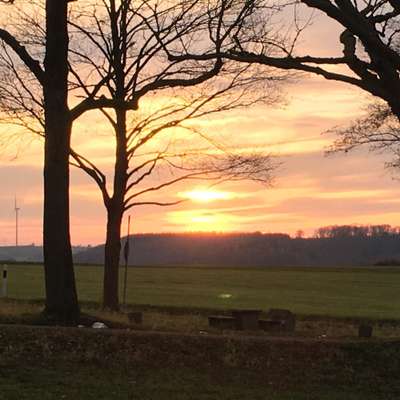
[(344, 245), (331, 246), (346, 231)]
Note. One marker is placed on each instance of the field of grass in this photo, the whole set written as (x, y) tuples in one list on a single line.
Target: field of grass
[(323, 360), (337, 292)]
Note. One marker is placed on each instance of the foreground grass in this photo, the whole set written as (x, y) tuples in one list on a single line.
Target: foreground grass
[(85, 382), (338, 292), (51, 363)]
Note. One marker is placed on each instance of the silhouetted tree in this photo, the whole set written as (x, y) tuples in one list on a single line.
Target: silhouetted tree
[(369, 35), (127, 46), (369, 40), (51, 74), (379, 130), (360, 231), (118, 56)]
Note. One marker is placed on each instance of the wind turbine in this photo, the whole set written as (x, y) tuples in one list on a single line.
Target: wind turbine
[(16, 209)]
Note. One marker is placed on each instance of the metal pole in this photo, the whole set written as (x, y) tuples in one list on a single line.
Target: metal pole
[(4, 291), (16, 221), (16, 227), (126, 255)]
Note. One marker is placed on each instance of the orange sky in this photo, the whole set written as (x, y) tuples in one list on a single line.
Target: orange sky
[(310, 190)]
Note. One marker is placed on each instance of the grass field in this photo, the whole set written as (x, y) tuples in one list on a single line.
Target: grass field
[(338, 292), (323, 360)]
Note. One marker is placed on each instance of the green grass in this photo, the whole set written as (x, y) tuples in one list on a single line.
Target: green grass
[(337, 292), (91, 383), (53, 363)]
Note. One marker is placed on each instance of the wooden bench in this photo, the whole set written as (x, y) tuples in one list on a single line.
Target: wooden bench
[(279, 320), (222, 322), (270, 325), (243, 320), (246, 320)]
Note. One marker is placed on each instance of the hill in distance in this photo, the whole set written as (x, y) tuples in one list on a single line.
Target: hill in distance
[(27, 253)]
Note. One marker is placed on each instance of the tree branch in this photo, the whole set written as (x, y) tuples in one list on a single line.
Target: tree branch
[(32, 64)]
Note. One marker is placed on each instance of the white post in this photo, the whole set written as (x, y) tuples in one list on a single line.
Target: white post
[(4, 291)]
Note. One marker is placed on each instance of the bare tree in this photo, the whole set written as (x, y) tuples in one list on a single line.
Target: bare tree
[(128, 46), (51, 74), (161, 150), (118, 56), (379, 131), (369, 39)]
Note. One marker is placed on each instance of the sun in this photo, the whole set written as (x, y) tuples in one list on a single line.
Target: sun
[(206, 195)]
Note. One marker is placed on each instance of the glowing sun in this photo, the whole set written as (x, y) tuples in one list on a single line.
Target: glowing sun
[(206, 195)]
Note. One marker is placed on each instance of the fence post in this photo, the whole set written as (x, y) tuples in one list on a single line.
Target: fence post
[(4, 291)]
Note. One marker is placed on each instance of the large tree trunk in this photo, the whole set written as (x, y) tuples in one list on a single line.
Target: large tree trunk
[(61, 297), (115, 212)]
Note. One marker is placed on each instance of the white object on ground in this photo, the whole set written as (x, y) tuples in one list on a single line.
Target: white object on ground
[(225, 296), (99, 325)]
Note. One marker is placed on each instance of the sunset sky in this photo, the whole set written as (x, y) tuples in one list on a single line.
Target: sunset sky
[(310, 190)]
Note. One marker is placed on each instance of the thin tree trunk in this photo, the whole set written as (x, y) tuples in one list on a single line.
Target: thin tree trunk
[(61, 296), (115, 205), (112, 252), (115, 211)]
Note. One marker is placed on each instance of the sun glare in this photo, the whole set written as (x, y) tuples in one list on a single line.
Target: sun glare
[(206, 195), (207, 222), (201, 220)]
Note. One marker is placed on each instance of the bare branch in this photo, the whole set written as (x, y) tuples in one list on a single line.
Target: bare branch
[(33, 65)]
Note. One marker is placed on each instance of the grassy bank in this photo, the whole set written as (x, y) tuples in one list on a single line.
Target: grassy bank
[(338, 292), (187, 320), (49, 363)]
